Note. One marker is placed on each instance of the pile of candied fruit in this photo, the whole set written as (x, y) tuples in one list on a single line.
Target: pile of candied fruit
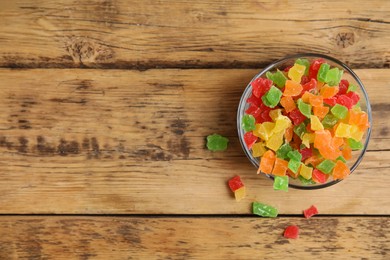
[(304, 122)]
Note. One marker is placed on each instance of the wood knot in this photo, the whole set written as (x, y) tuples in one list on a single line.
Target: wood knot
[(84, 51), (345, 39)]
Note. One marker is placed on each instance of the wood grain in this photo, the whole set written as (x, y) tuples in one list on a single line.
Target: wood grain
[(192, 238), (117, 141), (185, 34)]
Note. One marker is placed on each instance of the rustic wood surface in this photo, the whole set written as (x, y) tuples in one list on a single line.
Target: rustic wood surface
[(105, 106), (192, 238), (94, 141), (200, 34)]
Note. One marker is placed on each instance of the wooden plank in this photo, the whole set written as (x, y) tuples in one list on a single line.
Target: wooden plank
[(185, 34), (117, 141), (192, 238)]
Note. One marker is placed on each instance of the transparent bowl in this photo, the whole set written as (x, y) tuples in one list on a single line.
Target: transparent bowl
[(357, 156)]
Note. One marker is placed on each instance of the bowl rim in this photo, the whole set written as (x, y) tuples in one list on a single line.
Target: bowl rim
[(275, 64)]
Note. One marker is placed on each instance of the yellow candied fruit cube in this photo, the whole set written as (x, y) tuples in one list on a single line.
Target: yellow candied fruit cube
[(356, 134), (308, 138), (257, 132), (296, 72), (260, 132), (264, 130), (315, 123), (240, 193), (258, 149), (275, 114), (275, 141), (343, 130), (282, 123), (306, 171)]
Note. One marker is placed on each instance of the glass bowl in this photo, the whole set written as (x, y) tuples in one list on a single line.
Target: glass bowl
[(357, 156)]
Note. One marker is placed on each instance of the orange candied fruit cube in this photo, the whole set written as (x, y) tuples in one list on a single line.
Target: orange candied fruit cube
[(340, 170), (292, 88), (306, 97), (364, 124), (323, 142), (337, 142), (280, 167), (313, 160), (288, 103), (320, 111), (354, 117), (328, 92), (347, 152), (320, 85), (322, 138), (267, 162), (316, 101), (329, 152)]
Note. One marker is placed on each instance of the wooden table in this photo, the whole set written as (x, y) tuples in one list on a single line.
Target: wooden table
[(105, 106)]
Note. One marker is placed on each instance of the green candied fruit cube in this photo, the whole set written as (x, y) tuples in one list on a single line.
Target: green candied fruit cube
[(279, 79), (341, 158), (304, 62), (321, 76), (355, 145), (269, 75), (304, 108), (216, 142), (265, 101), (283, 151), (281, 183), (248, 123), (293, 165), (272, 96), (326, 166), (352, 88), (305, 181), (333, 76), (339, 111), (295, 155), (264, 210), (329, 121), (300, 129)]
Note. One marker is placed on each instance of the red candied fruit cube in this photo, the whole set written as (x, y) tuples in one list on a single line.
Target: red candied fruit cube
[(343, 86), (354, 97), (296, 116), (304, 80), (319, 177), (310, 211), (253, 100), (263, 117), (314, 67), (253, 110), (260, 86), (235, 183), (291, 232), (312, 84), (344, 101), (249, 139), (330, 101), (306, 153)]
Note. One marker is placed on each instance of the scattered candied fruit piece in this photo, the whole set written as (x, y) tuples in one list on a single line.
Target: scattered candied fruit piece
[(308, 213), (291, 232)]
